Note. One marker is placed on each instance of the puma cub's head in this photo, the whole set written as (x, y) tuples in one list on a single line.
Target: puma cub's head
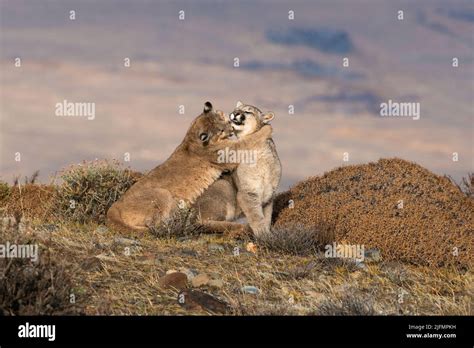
[(247, 119), (209, 128)]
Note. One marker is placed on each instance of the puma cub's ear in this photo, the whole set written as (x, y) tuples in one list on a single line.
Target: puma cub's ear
[(207, 107), (267, 117), (239, 104)]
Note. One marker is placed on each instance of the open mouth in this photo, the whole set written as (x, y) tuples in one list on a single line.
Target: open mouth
[(237, 118)]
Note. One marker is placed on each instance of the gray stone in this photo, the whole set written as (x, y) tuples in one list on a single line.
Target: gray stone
[(200, 280), (215, 247), (373, 255), (101, 229), (216, 283), (49, 227), (126, 241), (249, 289), (190, 273)]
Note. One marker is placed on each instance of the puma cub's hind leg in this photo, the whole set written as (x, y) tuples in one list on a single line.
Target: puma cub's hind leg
[(150, 206), (218, 202)]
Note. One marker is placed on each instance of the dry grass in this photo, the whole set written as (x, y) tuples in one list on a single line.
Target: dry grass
[(297, 239), (183, 224), (353, 304), (29, 287), (87, 190), (121, 277), (466, 185), (114, 274)]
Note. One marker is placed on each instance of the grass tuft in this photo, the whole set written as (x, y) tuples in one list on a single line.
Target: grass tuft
[(347, 305), (27, 287), (89, 189), (183, 223), (297, 239)]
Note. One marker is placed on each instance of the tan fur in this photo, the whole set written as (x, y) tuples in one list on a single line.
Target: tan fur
[(219, 201), (252, 187), (184, 176)]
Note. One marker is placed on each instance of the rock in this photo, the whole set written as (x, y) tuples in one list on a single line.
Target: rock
[(190, 273), (48, 227), (101, 229), (216, 283), (248, 289), (126, 241), (215, 247), (373, 255), (361, 265), (251, 247), (200, 280), (91, 264), (266, 275), (175, 280), (195, 299), (190, 252)]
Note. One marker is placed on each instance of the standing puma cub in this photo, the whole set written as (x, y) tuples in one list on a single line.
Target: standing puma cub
[(256, 183)]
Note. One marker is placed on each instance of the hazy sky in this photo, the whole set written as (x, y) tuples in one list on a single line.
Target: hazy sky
[(282, 62)]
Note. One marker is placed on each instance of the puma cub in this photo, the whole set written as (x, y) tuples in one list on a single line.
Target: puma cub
[(256, 182), (184, 176)]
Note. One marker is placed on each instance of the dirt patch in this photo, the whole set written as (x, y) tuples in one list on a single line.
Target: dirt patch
[(399, 207)]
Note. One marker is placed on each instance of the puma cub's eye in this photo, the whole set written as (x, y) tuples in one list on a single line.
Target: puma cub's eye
[(204, 137)]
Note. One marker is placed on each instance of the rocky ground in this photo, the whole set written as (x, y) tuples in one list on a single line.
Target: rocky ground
[(111, 274), (87, 268)]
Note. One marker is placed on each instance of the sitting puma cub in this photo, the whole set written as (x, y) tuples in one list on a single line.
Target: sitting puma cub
[(256, 183)]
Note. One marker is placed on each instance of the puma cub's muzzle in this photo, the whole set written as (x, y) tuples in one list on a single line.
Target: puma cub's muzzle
[(237, 117), (244, 122)]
